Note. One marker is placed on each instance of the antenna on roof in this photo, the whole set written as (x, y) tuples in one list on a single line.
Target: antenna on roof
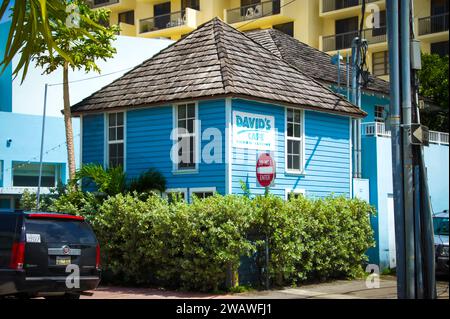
[(336, 60)]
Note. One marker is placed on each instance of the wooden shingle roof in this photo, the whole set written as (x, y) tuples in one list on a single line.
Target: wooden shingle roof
[(309, 60), (215, 60)]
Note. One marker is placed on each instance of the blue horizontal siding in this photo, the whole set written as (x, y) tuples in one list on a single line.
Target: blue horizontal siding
[(327, 154), (149, 145), (93, 139)]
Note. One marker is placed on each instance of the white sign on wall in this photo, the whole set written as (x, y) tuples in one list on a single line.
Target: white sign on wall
[(253, 131)]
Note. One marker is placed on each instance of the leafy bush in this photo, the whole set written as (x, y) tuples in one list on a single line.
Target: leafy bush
[(147, 240)]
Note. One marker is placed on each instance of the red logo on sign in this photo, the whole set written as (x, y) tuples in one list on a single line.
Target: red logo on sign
[(265, 170)]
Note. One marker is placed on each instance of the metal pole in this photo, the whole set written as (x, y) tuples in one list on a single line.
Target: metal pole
[(339, 71), (396, 135), (348, 77), (38, 193), (266, 193), (407, 147)]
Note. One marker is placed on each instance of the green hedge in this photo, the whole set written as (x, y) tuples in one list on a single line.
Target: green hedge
[(192, 246)]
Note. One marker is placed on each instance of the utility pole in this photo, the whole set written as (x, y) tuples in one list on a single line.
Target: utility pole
[(413, 220), (38, 193)]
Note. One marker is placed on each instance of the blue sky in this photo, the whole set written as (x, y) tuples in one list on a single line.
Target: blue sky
[(6, 16)]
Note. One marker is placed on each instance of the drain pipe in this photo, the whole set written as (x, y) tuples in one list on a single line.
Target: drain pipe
[(396, 137)]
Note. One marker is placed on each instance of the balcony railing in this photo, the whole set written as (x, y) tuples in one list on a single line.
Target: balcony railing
[(102, 3), (254, 11), (433, 24), (344, 40), (379, 129), (164, 21), (332, 5)]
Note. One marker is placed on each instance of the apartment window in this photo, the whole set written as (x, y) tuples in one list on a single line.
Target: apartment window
[(346, 30), (248, 4), (127, 17), (116, 139), (287, 28), (186, 136), (380, 29), (27, 174), (294, 140), (193, 4), (380, 63), (439, 48), (379, 114), (162, 15), (341, 4)]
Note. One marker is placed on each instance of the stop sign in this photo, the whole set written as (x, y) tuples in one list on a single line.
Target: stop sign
[(265, 169)]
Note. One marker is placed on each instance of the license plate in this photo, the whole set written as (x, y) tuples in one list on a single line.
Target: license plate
[(63, 260)]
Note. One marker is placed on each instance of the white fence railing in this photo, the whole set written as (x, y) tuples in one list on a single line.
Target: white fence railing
[(379, 129)]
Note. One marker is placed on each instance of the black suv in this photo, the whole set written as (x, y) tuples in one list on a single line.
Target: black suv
[(47, 254)]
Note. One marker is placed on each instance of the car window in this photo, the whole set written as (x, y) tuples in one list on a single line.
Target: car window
[(440, 226), (61, 231)]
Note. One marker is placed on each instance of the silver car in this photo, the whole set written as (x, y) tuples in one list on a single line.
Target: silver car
[(440, 223)]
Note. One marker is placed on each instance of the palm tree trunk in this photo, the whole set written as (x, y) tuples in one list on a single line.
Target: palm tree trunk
[(68, 122)]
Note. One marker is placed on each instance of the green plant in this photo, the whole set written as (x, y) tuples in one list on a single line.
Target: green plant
[(433, 79), (110, 181), (148, 181)]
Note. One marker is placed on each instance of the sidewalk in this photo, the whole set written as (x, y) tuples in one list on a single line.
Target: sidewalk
[(341, 289)]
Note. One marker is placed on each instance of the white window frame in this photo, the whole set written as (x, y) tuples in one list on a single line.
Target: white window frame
[(123, 141), (183, 191), (287, 191), (197, 146), (201, 190), (300, 171)]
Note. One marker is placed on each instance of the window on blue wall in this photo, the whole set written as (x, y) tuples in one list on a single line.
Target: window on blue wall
[(27, 174), (115, 139), (294, 140), (186, 136), (379, 114)]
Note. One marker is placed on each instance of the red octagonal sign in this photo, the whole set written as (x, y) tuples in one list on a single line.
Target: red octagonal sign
[(265, 169)]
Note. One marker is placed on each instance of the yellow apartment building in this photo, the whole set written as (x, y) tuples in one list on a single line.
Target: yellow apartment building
[(328, 25)]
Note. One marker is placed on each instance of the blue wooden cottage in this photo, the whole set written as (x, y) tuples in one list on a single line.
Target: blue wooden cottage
[(203, 109)]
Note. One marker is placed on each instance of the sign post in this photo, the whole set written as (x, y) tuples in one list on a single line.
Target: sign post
[(265, 174)]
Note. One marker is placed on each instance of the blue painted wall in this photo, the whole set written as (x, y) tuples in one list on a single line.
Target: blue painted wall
[(5, 77), (437, 160), (25, 145), (327, 154), (148, 144), (93, 140)]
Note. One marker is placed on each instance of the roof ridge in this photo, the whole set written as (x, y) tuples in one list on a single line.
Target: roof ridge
[(221, 55)]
